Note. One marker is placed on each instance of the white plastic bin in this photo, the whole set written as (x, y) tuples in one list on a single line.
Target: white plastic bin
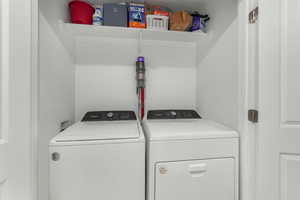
[(157, 22)]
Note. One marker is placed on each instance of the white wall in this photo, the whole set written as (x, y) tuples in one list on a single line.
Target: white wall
[(171, 87), (217, 76), (104, 88), (105, 74), (56, 85), (217, 81), (114, 88)]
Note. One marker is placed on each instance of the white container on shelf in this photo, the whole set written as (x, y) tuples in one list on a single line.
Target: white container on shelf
[(98, 16), (157, 22)]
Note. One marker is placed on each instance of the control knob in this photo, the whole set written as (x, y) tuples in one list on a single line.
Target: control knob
[(110, 114)]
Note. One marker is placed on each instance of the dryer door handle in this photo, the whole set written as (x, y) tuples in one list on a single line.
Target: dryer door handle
[(197, 170)]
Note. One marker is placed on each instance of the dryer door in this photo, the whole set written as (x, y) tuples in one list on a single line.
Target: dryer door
[(212, 179)]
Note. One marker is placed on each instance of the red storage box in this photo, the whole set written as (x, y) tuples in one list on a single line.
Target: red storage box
[(81, 12)]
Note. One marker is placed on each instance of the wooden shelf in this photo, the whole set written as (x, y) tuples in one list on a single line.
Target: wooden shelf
[(79, 30)]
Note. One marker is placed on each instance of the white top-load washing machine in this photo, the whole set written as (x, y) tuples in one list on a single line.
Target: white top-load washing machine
[(101, 157), (189, 157)]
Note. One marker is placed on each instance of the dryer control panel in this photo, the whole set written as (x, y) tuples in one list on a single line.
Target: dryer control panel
[(173, 114), (109, 116)]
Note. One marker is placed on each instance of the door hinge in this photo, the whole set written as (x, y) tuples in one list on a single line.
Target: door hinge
[(253, 116), (253, 15)]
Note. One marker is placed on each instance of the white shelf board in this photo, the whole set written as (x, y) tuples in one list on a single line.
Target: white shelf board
[(79, 30)]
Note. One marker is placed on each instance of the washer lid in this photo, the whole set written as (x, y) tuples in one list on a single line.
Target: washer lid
[(186, 129), (99, 130)]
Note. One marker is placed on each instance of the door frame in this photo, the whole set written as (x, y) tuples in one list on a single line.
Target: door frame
[(4, 90), (246, 98), (247, 60), (22, 111), (270, 41), (34, 96)]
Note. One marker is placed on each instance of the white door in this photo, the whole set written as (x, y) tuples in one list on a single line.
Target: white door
[(4, 67), (278, 147)]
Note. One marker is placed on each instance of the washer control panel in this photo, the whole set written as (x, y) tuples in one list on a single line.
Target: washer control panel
[(109, 116), (173, 114)]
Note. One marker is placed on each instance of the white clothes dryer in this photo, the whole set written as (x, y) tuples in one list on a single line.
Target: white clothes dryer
[(189, 157)]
